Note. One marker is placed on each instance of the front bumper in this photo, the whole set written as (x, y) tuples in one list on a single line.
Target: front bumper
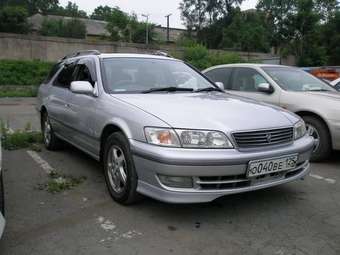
[(226, 169)]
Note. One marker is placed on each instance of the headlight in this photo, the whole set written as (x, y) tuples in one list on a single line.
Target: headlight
[(299, 129), (162, 137), (188, 138), (203, 139)]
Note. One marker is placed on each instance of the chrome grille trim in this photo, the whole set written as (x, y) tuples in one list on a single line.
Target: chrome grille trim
[(260, 138)]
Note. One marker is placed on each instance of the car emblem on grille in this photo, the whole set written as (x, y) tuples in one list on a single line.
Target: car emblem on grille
[(269, 138)]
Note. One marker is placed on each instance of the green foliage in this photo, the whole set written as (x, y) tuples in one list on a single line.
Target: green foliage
[(102, 13), (13, 19), (18, 91), (19, 139), (200, 57), (125, 27), (19, 72), (246, 32), (33, 6), (331, 39), (70, 10), (73, 28), (59, 182)]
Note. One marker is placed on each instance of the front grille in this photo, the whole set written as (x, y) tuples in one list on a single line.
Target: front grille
[(263, 137)]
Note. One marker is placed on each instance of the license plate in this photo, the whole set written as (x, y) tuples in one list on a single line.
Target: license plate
[(274, 165)]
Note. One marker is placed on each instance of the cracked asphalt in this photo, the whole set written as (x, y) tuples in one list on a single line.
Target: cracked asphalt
[(302, 217)]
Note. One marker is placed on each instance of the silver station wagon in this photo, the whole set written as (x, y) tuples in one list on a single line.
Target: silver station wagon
[(163, 130)]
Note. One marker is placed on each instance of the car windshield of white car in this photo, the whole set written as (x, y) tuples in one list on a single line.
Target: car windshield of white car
[(293, 79), (137, 75)]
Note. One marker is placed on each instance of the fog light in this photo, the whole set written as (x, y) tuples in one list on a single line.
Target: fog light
[(176, 181)]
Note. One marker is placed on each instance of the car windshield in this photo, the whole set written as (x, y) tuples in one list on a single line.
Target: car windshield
[(136, 75), (293, 79)]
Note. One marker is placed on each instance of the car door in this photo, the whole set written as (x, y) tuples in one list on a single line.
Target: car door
[(82, 109), (245, 82), (59, 95)]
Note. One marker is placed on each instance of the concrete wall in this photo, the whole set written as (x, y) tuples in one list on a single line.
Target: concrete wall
[(34, 47)]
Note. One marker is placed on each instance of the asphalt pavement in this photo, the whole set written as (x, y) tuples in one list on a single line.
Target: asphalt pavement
[(302, 217)]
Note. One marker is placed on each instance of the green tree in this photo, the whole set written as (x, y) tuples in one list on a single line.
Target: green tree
[(102, 13), (246, 32), (13, 19), (33, 6), (70, 10), (278, 13), (331, 38), (194, 13), (73, 28)]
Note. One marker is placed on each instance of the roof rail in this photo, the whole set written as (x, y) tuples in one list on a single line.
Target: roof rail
[(162, 53), (81, 53)]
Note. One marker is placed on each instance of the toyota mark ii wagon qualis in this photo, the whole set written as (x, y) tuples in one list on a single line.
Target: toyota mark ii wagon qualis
[(163, 130)]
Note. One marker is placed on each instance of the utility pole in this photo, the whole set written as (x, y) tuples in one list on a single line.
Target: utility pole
[(168, 27), (147, 28)]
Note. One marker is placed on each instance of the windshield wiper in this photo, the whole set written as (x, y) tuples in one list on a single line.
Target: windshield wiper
[(208, 89), (167, 89)]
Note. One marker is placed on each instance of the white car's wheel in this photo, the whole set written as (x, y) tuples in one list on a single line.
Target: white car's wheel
[(317, 129)]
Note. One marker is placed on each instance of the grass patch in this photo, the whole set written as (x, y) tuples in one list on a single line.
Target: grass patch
[(20, 139), (20, 72), (18, 91), (60, 182)]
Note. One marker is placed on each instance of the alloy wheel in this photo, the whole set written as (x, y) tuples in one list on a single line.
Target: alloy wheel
[(312, 131), (117, 169), (47, 131)]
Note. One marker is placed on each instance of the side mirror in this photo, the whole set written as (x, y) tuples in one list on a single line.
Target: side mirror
[(265, 87), (81, 87), (220, 85)]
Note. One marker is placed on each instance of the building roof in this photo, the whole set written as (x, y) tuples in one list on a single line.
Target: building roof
[(93, 27)]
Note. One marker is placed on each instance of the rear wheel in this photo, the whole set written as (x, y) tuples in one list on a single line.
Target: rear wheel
[(50, 140), (319, 131), (120, 174)]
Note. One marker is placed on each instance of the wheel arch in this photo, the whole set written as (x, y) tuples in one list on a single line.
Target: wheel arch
[(317, 116), (108, 130)]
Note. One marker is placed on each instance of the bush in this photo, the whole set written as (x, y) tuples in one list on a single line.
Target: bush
[(72, 28), (13, 19), (19, 72), (200, 57)]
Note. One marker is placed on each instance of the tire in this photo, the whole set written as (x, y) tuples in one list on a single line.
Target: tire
[(319, 131), (51, 142), (2, 195), (119, 170)]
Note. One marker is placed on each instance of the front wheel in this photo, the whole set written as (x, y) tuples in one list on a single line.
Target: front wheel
[(119, 170), (319, 131)]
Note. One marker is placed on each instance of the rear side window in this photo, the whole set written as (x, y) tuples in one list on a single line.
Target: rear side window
[(53, 71), (66, 76), (220, 75)]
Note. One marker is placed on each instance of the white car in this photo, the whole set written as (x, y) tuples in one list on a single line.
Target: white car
[(336, 84), (317, 102), (2, 200)]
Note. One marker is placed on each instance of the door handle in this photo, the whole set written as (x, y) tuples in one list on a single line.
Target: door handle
[(67, 105)]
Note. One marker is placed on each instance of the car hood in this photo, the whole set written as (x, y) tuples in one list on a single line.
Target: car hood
[(213, 111)]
